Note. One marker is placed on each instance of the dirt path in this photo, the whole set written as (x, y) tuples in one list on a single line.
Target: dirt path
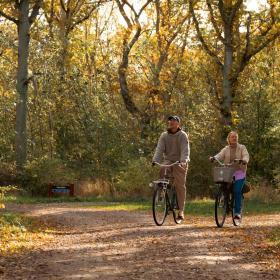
[(100, 244)]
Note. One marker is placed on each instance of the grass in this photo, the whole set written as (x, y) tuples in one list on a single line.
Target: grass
[(195, 207), (62, 199), (203, 207), (274, 238), (19, 233)]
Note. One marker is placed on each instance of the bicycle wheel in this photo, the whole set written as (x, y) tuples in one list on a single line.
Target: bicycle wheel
[(237, 222), (175, 208), (220, 208), (159, 206)]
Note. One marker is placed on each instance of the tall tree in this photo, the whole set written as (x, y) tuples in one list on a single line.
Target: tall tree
[(66, 15), (237, 35), (23, 13), (171, 22), (130, 36)]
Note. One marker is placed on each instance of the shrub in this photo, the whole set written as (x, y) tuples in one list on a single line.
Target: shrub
[(134, 180), (8, 174), (276, 174), (3, 191), (42, 172), (264, 192)]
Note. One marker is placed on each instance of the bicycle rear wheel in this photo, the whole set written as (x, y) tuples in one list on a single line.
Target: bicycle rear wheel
[(237, 222), (159, 206), (220, 208), (175, 208)]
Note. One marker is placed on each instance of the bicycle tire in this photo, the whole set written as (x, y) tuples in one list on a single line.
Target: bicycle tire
[(237, 222), (159, 201), (220, 208), (175, 208)]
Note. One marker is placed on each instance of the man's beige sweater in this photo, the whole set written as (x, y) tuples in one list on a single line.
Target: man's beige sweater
[(174, 147)]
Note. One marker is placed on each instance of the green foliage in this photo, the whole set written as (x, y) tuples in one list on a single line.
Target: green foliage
[(19, 233), (3, 192), (42, 172), (274, 237), (135, 178), (18, 223), (78, 125), (264, 191), (277, 178)]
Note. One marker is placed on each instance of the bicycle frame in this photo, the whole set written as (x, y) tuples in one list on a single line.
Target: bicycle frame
[(165, 185), (164, 180), (227, 191)]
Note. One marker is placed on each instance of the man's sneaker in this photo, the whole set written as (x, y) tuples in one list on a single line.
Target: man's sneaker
[(237, 216), (181, 215)]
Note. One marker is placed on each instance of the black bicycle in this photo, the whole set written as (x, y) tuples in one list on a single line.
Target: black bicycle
[(224, 200), (165, 197)]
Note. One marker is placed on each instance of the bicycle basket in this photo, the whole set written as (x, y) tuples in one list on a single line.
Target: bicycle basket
[(223, 174)]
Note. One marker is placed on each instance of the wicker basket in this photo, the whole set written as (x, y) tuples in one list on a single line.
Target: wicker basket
[(223, 174)]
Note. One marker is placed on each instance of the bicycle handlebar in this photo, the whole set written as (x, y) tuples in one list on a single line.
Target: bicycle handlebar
[(229, 164), (168, 165)]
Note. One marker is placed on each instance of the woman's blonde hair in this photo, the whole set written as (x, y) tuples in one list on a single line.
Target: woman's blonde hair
[(232, 132)]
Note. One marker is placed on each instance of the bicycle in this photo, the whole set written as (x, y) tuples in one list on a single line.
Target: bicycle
[(224, 200), (165, 197)]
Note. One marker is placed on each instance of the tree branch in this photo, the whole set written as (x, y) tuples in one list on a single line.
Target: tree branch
[(214, 23), (8, 17), (222, 10), (123, 13), (272, 22), (247, 47), (159, 41), (35, 11), (249, 54), (264, 44), (62, 4), (235, 9), (77, 22), (200, 36)]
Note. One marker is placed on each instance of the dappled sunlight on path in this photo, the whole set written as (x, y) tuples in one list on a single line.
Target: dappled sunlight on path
[(91, 243)]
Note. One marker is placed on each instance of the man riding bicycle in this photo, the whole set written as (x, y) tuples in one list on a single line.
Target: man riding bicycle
[(173, 145)]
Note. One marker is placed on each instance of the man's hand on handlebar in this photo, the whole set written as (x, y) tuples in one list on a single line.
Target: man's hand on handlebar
[(183, 164)]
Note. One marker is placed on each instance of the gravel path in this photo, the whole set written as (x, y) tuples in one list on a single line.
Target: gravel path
[(92, 243)]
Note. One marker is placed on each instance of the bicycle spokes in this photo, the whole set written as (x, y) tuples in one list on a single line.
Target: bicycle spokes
[(159, 206), (237, 221), (221, 204)]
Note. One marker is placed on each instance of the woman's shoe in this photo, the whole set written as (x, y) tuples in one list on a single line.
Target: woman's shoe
[(237, 216)]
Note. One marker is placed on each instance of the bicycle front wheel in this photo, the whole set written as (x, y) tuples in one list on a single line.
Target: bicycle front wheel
[(220, 208), (159, 206)]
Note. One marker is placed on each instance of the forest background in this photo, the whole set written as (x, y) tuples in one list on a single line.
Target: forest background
[(86, 87)]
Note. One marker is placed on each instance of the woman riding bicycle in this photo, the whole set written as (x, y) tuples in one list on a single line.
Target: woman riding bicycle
[(229, 154)]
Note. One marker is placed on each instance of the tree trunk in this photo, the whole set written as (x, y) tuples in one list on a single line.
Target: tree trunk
[(22, 84), (227, 86), (122, 73)]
